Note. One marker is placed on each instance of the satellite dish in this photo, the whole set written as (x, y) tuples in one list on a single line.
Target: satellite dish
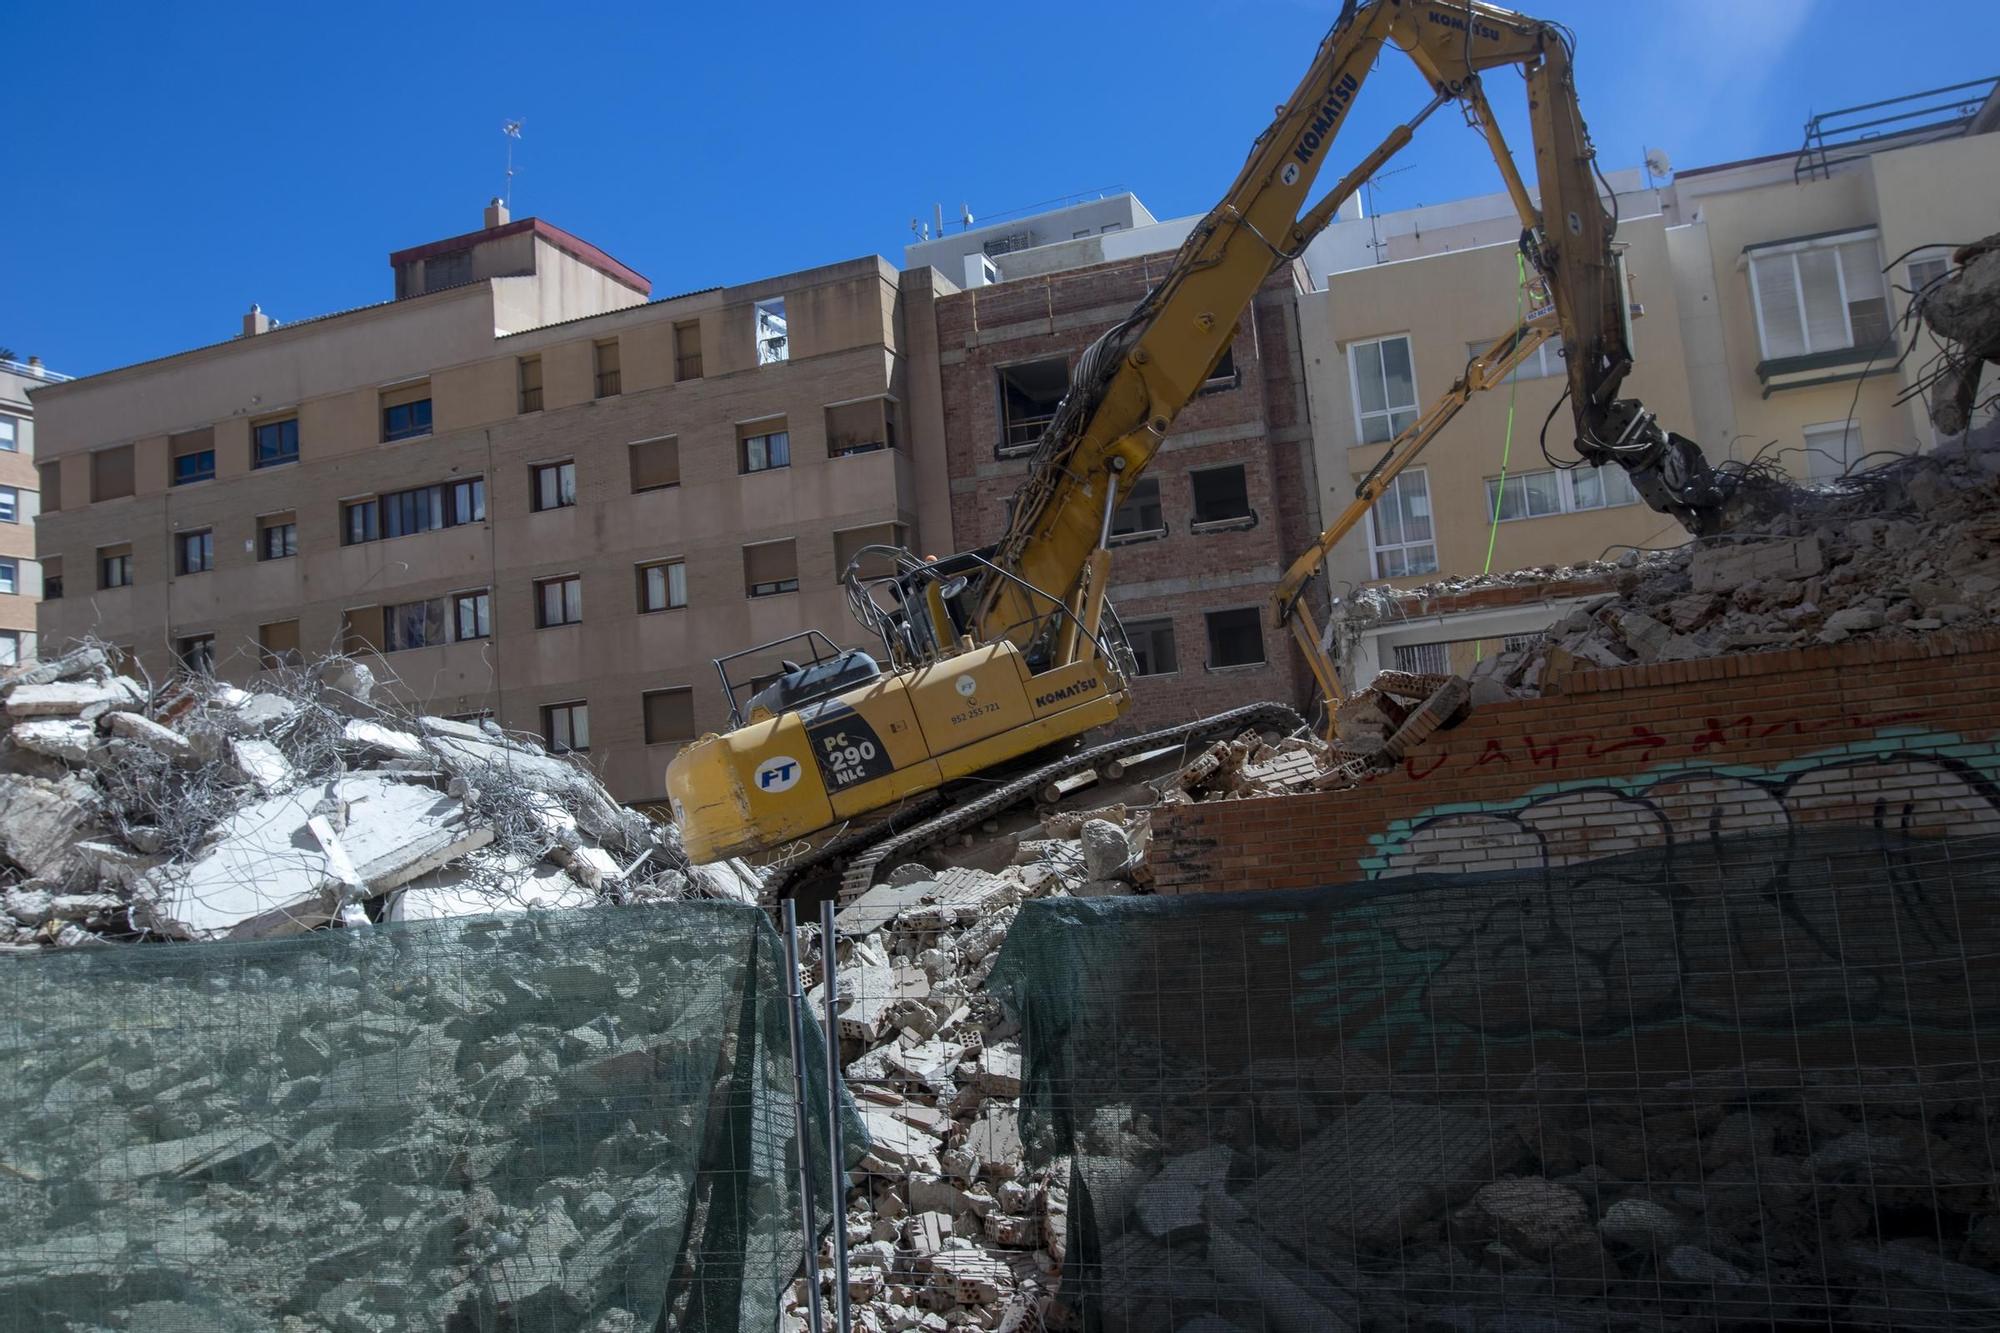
[(965, 214), (1656, 162)]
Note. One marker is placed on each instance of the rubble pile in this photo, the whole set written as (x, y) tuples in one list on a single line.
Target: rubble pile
[(1899, 550), (1963, 309), (1729, 1199), (199, 810), (946, 1226)]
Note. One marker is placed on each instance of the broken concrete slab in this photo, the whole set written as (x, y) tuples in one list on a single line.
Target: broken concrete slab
[(390, 742), (68, 698), (1722, 566), (40, 820), (161, 740), (263, 763), (68, 739)]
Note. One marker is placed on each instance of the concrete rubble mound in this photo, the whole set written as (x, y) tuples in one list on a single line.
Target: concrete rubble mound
[(197, 810), (1897, 550)]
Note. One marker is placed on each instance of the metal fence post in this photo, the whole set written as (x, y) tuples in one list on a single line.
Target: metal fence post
[(835, 1138), (795, 1005)]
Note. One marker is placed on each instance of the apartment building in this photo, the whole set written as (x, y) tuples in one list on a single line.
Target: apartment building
[(523, 487), (1207, 531), (20, 504)]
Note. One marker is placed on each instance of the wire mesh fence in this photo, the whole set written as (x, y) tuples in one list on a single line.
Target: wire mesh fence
[(568, 1121), (1742, 1085)]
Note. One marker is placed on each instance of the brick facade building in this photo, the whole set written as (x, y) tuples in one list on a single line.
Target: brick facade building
[(1226, 504), (1896, 735)]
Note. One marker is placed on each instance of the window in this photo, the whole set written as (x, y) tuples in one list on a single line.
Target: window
[(860, 428), (1235, 638), (10, 647), (1819, 296), (605, 357), (559, 601), (277, 537), (528, 379), (406, 412), (51, 475), (1221, 495), (1140, 515), (687, 351), (669, 716), (10, 434), (194, 456), (773, 338), (403, 513), (10, 577), (413, 625), (114, 566), (1545, 362), (1923, 272), (1385, 388), (278, 645), (663, 586), (194, 552), (656, 463), (770, 568), (1831, 449), (1527, 495), (566, 727), (274, 443), (357, 630), (472, 615), (1152, 644), (52, 578), (764, 450), (1424, 659), (850, 543), (453, 268), (1224, 375), (10, 505), (111, 473), (1400, 526), (1029, 396), (196, 654), (554, 486), (1599, 487)]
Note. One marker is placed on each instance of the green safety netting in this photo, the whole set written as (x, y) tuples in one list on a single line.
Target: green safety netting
[(549, 1122), (1743, 1081)]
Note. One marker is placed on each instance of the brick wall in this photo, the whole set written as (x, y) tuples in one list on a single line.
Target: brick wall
[(1902, 735), (1260, 422)]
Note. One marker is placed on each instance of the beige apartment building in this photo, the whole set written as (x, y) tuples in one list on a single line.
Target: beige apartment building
[(20, 504), (1770, 332), (523, 487)]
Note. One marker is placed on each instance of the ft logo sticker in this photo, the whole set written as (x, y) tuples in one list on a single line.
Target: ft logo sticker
[(778, 773)]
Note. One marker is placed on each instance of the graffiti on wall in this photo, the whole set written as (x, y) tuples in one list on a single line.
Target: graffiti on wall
[(1818, 892), (1917, 783)]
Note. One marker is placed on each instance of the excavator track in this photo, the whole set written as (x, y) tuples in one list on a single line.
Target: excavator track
[(866, 849)]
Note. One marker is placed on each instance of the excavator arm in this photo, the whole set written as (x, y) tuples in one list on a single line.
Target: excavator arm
[(1135, 379)]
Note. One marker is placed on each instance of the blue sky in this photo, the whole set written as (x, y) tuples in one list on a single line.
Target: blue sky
[(168, 165)]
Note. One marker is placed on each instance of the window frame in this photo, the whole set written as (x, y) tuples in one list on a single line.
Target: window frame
[(10, 646), (1256, 615), (124, 564), (644, 571), (687, 365), (414, 429), (1158, 504), (1153, 625), (290, 543), (773, 347), (481, 600), (1389, 410), (1423, 658), (457, 503), (743, 467), (1813, 454), (1547, 359), (646, 716), (571, 710), (1377, 548), (631, 458), (391, 634), (204, 538), (1831, 244), (10, 504), (1008, 447), (182, 656), (570, 596), (10, 576), (10, 433), (1248, 518), (565, 486), (1568, 498), (528, 397), (771, 587), (607, 381), (258, 459)]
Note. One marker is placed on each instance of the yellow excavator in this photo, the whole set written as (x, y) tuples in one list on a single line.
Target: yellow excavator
[(989, 659)]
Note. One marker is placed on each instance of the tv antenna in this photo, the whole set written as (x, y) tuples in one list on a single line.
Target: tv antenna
[(512, 129)]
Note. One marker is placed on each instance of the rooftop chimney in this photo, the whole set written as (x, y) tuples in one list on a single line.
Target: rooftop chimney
[(34, 363), (496, 213), (256, 322)]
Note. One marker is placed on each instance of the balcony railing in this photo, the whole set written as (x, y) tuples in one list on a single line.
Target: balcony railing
[(34, 370), (1852, 133), (687, 366)]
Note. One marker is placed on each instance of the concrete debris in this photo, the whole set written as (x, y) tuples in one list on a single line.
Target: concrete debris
[(1963, 310), (202, 810), (1895, 551)]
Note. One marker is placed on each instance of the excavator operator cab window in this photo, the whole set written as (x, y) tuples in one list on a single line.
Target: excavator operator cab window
[(798, 685)]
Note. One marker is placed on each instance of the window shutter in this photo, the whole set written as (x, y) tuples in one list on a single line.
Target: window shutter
[(669, 716), (771, 562), (111, 473), (656, 463), (1778, 302)]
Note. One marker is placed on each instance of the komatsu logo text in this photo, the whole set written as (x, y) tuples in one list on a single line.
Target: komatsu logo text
[(1066, 692), (1328, 116), (1480, 30)]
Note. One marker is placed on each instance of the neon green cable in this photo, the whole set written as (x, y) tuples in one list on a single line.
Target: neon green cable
[(1506, 448)]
